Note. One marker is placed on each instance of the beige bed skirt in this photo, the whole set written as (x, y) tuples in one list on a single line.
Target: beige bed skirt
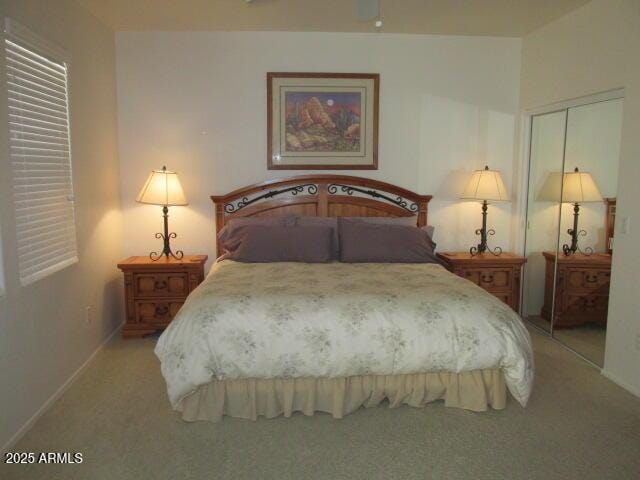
[(250, 398)]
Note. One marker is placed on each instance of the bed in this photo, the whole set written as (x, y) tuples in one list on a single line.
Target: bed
[(269, 339)]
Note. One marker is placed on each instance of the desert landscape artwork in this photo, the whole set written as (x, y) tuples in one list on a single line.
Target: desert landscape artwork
[(322, 121)]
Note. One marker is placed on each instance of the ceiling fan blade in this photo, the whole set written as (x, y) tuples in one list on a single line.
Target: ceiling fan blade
[(368, 10)]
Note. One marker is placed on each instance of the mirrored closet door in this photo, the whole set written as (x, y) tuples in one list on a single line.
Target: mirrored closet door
[(543, 213), (572, 189)]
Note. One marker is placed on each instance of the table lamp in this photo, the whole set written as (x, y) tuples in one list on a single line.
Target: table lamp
[(578, 187), (163, 188), (485, 185)]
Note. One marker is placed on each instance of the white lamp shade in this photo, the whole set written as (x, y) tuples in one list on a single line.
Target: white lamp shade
[(579, 187), (162, 188), (486, 185)]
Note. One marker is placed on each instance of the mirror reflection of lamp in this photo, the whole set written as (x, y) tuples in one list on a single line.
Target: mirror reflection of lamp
[(577, 188), (163, 188), (551, 188), (485, 185)]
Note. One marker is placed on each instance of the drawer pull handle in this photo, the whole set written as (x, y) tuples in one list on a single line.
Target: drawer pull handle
[(592, 278), (487, 278), (160, 285), (162, 310)]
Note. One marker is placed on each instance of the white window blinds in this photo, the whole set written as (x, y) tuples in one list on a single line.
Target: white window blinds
[(40, 155)]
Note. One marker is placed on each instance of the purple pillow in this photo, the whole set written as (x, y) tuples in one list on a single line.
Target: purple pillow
[(308, 221), (234, 223), (263, 244), (331, 222), (404, 221), (429, 230), (362, 242)]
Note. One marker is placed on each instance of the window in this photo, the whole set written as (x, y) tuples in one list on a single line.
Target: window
[(40, 154)]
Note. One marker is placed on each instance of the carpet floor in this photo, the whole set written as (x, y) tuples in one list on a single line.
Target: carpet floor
[(588, 340), (578, 425)]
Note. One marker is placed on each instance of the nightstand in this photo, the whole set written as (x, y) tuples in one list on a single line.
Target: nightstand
[(582, 288), (498, 275), (155, 291)]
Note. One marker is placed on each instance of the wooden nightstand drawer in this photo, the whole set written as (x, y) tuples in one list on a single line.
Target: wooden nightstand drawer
[(160, 284), (490, 278), (157, 311), (586, 280), (587, 304), (506, 297), (499, 275), (155, 291)]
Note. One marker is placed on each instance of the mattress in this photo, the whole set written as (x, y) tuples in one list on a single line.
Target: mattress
[(338, 320)]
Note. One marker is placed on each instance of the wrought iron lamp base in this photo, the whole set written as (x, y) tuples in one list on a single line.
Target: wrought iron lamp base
[(575, 233), (483, 246), (166, 236)]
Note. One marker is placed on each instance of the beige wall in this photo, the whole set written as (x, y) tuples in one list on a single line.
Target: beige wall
[(44, 337), (595, 49), (196, 101)]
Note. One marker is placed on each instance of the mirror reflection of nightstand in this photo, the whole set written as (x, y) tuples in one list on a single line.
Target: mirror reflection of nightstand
[(582, 289)]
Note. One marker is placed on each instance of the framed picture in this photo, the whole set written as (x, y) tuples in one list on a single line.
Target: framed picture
[(322, 121)]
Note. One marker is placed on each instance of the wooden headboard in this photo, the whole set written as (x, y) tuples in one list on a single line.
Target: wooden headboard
[(320, 196)]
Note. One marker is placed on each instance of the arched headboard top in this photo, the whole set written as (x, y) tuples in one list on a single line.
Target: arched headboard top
[(321, 195)]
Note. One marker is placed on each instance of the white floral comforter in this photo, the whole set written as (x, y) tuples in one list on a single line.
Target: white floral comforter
[(250, 320)]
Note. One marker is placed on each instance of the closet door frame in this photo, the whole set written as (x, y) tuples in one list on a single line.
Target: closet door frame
[(522, 179), (524, 205)]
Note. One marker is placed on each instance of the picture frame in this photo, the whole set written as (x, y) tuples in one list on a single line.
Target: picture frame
[(322, 121)]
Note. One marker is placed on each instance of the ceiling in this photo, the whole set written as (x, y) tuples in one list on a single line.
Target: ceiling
[(507, 18)]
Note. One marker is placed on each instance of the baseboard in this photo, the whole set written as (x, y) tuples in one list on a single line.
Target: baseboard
[(629, 388), (57, 394)]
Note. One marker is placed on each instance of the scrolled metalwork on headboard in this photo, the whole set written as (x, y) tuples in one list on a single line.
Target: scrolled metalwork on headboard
[(349, 189), (312, 189)]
